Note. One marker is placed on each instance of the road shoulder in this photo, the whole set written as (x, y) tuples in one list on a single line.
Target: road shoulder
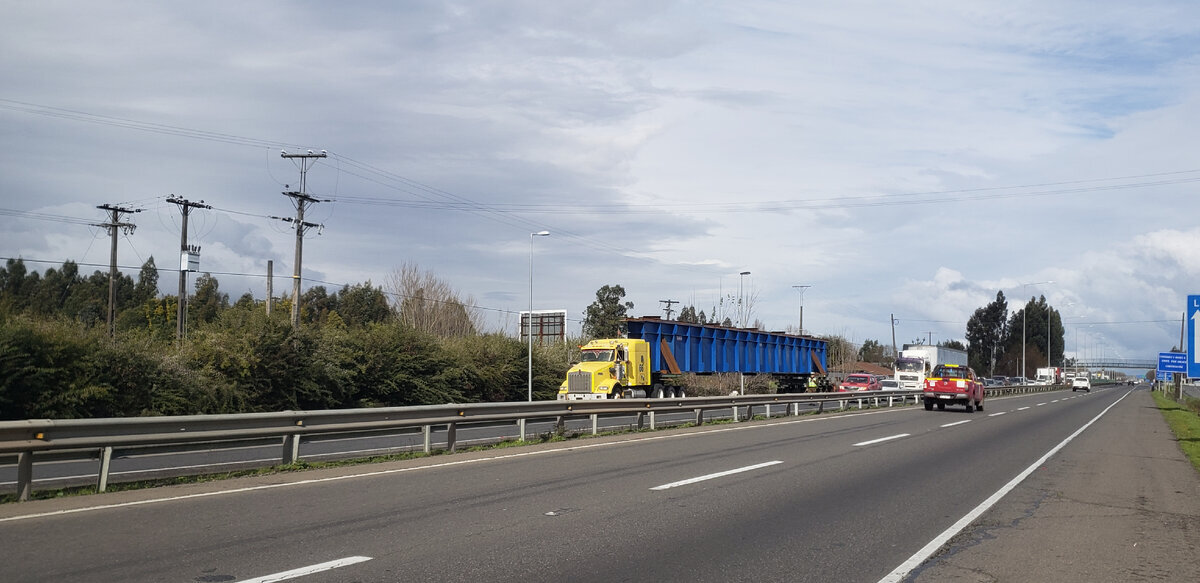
[(1119, 503)]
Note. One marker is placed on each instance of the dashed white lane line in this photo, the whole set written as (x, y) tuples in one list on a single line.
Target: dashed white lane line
[(716, 475), (997, 414), (1022, 408), (1039, 404), (881, 440), (957, 423), (302, 571)]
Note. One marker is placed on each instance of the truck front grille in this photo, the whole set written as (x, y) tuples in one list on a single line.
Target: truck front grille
[(579, 382)]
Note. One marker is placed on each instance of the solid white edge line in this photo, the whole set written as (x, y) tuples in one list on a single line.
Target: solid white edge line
[(957, 423), (929, 549), (309, 570), (881, 440), (716, 475)]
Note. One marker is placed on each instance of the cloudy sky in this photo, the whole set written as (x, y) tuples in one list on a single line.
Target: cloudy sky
[(901, 158)]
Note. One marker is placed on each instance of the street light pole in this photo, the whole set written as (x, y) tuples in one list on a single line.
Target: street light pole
[(741, 308), (529, 317), (1024, 327), (801, 288)]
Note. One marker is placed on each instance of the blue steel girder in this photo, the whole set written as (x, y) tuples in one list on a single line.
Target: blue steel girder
[(705, 348)]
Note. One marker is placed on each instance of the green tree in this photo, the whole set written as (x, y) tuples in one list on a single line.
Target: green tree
[(872, 351), (604, 318), (986, 334), (209, 301), (362, 304), (955, 344), (146, 288)]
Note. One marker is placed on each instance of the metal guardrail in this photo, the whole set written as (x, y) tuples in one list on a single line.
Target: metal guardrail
[(56, 439)]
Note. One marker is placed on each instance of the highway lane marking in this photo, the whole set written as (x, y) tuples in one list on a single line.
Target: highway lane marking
[(881, 440), (1039, 404), (1022, 408), (957, 423), (997, 414), (716, 475), (309, 570), (932, 547)]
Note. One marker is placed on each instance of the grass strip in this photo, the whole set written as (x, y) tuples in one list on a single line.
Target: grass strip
[(1184, 420)]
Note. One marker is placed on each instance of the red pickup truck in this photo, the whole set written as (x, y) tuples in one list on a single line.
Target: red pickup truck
[(953, 384)]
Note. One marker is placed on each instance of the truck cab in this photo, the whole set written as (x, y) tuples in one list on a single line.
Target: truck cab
[(953, 384), (608, 369)]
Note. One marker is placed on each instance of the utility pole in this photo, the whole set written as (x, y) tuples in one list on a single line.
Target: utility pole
[(301, 199), (668, 309), (930, 333), (895, 353), (270, 285), (112, 225), (185, 252)]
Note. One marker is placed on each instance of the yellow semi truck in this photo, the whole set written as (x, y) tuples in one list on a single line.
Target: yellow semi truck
[(656, 352)]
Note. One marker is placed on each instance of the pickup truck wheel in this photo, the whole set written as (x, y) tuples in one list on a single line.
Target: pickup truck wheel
[(941, 406), (928, 404), (970, 408), (979, 405)]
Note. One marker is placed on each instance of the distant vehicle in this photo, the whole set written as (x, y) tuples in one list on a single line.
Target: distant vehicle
[(889, 385), (1000, 379), (859, 382), (1081, 383), (1050, 375), (955, 385), (916, 360), (1018, 381)]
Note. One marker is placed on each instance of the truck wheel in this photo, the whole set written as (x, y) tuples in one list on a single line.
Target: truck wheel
[(657, 392), (941, 406), (680, 393), (928, 404), (615, 393), (970, 408), (979, 405)]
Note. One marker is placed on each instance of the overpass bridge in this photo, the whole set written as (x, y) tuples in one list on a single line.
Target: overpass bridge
[(1107, 363)]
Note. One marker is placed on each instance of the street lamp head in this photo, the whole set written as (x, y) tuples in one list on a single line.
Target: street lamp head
[(540, 234), (744, 273)]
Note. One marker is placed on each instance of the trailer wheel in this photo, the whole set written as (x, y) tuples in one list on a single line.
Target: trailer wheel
[(680, 393), (929, 404), (656, 392)]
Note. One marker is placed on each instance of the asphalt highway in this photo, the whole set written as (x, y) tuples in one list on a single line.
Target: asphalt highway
[(849, 497)]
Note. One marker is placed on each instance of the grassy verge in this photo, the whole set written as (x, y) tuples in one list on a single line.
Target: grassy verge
[(1184, 420)]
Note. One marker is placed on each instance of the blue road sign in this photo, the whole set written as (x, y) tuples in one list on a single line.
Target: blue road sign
[(1162, 376), (1193, 352), (1172, 362)]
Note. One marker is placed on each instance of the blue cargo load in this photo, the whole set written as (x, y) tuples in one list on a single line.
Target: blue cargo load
[(682, 347)]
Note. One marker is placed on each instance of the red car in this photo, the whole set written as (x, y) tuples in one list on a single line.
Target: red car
[(953, 384), (859, 382)]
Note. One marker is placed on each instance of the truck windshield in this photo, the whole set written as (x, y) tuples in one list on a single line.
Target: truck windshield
[(910, 366), (596, 356)]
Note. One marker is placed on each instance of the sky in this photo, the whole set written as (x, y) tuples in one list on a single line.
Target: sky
[(905, 160)]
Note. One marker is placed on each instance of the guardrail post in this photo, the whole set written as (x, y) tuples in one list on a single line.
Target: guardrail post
[(24, 475), (889, 401), (699, 417), (820, 406), (595, 424), (426, 432), (560, 424), (641, 419), (860, 404), (291, 449), (451, 434), (767, 410), (652, 424), (105, 461), (735, 414)]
